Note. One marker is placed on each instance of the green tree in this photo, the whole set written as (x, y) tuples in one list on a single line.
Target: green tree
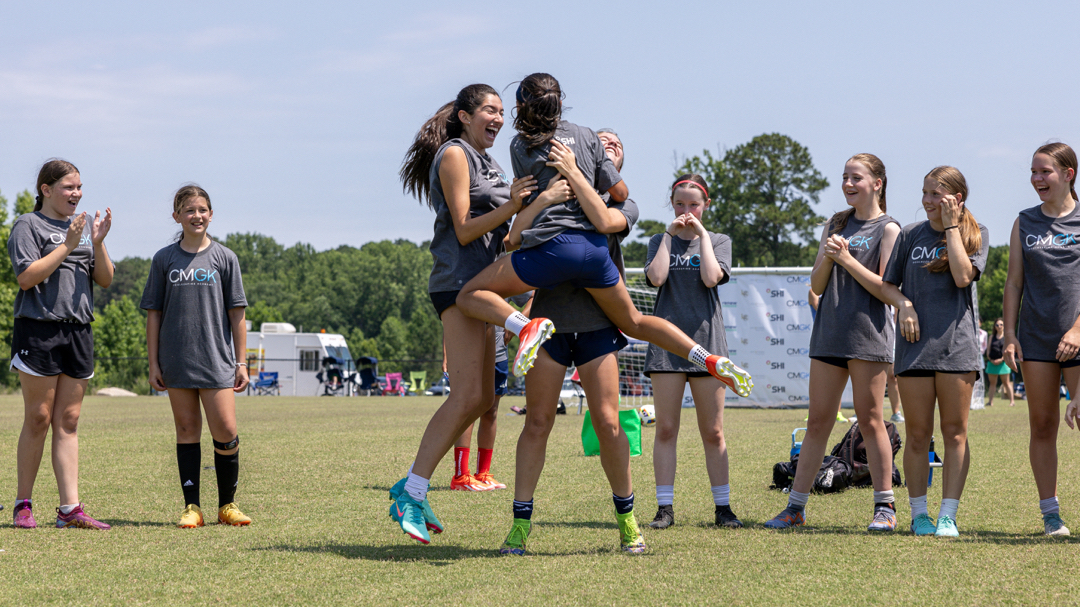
[(261, 312), (120, 347), (991, 286), (761, 195), (128, 279)]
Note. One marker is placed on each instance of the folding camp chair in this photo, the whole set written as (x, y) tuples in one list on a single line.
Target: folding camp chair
[(417, 381)]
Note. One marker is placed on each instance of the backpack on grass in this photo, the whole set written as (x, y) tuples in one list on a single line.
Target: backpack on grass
[(844, 467)]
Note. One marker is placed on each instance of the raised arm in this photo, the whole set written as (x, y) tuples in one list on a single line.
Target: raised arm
[(823, 265), (454, 176), (960, 266), (103, 266), (43, 268), (866, 277), (557, 191)]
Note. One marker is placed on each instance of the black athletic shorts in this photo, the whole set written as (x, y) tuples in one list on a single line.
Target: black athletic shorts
[(49, 348), (1064, 365), (835, 361), (579, 348), (443, 300), (931, 373)]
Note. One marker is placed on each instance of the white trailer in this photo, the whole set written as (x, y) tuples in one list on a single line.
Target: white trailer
[(296, 357)]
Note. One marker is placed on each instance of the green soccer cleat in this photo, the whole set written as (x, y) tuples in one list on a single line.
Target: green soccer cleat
[(630, 535), (515, 540), (432, 521), (946, 527)]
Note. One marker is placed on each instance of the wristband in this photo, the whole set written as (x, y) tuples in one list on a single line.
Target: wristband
[(238, 365)]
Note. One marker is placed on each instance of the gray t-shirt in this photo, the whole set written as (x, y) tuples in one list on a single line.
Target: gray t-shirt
[(454, 265), (194, 292), (1051, 299), (572, 309), (852, 323), (948, 340), (594, 164), (684, 300), (68, 293)]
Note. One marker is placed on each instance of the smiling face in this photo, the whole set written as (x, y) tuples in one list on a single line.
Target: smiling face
[(690, 199), (194, 216), (62, 198), (613, 148), (859, 184), (1050, 181), (482, 126), (999, 327), (932, 193)]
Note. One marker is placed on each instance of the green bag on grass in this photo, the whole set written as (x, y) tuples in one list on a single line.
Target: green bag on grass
[(630, 421)]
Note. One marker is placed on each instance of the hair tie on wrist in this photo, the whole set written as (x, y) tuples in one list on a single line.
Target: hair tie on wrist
[(669, 234), (955, 227)]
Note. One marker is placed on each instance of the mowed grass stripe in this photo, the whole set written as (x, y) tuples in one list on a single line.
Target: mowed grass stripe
[(315, 471)]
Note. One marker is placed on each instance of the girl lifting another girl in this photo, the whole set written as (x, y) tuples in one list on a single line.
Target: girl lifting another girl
[(933, 269), (196, 338), (852, 338), (687, 263), (1043, 289), (52, 344), (566, 242), (448, 167)]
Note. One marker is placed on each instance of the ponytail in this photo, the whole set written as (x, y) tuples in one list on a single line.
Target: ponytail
[(440, 128), (539, 108)]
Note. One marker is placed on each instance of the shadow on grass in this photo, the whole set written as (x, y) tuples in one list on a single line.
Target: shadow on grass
[(439, 555), (123, 523)]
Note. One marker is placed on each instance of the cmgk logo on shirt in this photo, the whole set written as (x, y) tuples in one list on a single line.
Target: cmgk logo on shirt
[(494, 176), (925, 253), (685, 263), (1043, 241), (860, 242), (60, 238), (193, 276)]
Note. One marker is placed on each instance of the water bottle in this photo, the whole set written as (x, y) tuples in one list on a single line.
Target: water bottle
[(932, 454)]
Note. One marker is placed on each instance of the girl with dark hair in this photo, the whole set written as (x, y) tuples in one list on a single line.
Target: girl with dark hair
[(52, 345), (448, 167), (566, 242), (852, 339), (687, 263), (196, 340), (997, 372), (1043, 290), (934, 266)]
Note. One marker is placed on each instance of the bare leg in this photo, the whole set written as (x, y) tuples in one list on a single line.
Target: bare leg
[(826, 389), (920, 394), (483, 297), (954, 404), (992, 388), (667, 399), (39, 394), (1044, 417), (894, 391), (542, 386), (868, 395), (617, 305), (220, 408), (1009, 389), (709, 396), (600, 379), (471, 365), (65, 438), (487, 426)]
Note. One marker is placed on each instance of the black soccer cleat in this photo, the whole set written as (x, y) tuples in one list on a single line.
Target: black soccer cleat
[(726, 518), (665, 517)]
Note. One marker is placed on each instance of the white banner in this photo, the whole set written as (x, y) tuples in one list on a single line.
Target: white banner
[(768, 320)]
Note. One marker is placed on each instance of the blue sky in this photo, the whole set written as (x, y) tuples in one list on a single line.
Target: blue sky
[(295, 116)]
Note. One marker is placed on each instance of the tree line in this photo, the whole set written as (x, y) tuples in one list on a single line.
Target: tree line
[(376, 294)]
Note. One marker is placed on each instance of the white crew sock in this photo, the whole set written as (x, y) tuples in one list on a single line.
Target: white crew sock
[(665, 495), (67, 509), (918, 506), (1049, 506), (697, 356), (416, 487), (884, 497), (949, 508), (797, 500), (721, 494), (516, 322)]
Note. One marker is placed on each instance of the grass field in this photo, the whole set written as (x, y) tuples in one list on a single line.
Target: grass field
[(315, 473)]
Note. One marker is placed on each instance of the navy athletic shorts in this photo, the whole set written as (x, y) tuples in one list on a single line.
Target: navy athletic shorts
[(501, 370), (575, 256), (576, 349), (45, 348)]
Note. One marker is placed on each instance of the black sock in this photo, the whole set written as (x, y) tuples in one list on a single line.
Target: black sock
[(228, 471), (189, 460), (523, 510), (623, 505)]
